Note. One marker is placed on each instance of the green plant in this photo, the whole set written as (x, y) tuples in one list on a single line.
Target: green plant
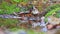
[(49, 8), (57, 14), (53, 8), (46, 20), (16, 1), (19, 1), (52, 11), (1, 11), (6, 8)]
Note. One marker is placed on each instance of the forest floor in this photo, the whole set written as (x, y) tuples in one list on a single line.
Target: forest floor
[(48, 32)]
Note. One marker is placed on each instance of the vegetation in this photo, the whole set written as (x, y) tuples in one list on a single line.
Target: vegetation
[(51, 12), (53, 9), (57, 14), (23, 2), (49, 8), (19, 1), (10, 8), (7, 8), (11, 23)]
